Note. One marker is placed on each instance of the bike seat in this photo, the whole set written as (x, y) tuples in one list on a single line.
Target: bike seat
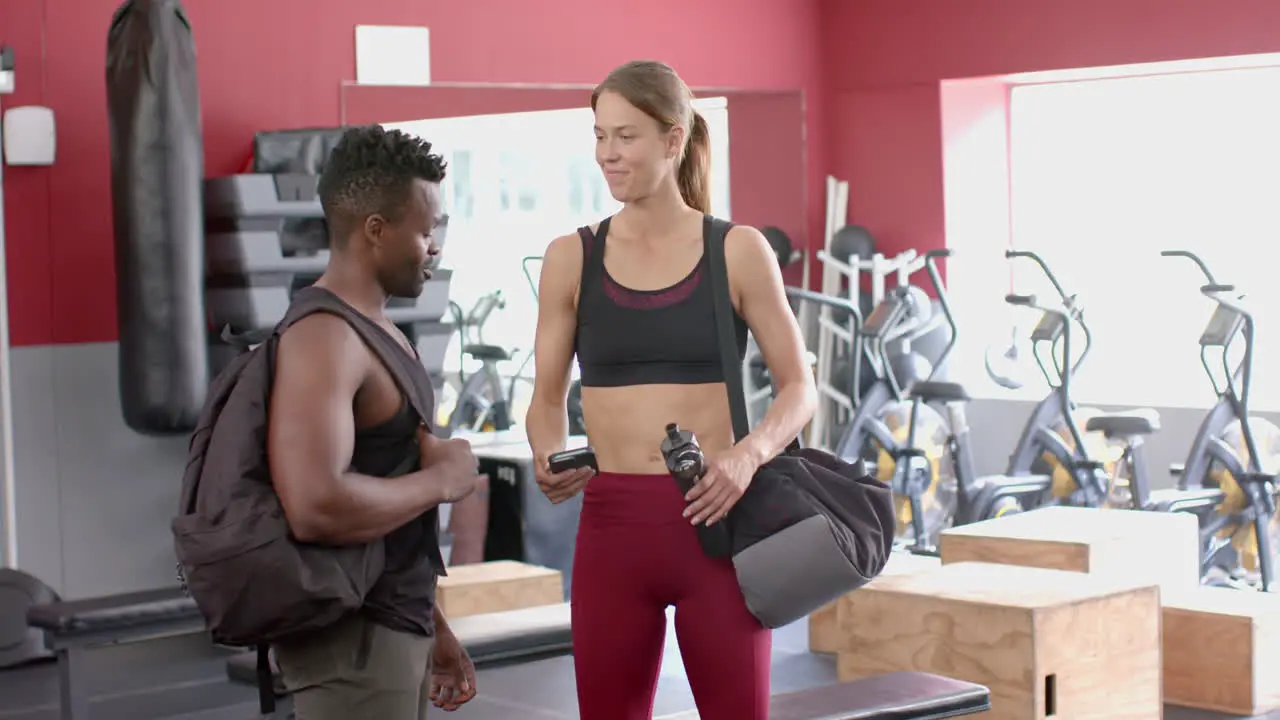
[(487, 353), (938, 391), (1127, 423)]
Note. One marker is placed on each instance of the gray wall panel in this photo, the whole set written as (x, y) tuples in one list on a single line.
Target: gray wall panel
[(117, 489), (35, 443)]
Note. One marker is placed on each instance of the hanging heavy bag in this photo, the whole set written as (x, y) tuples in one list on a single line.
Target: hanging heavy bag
[(157, 185), (804, 503)]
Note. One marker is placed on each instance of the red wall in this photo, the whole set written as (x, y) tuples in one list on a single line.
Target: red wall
[(279, 63), (884, 59)]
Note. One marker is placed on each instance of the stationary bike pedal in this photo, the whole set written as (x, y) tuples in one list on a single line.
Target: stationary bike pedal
[(924, 550)]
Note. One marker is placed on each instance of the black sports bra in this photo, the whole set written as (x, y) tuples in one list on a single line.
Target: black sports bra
[(646, 337)]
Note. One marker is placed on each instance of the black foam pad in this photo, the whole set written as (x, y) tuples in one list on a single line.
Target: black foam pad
[(114, 613), (294, 151), (19, 592), (895, 696)]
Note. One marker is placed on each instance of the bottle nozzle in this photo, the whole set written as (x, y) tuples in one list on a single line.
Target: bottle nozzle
[(673, 432)]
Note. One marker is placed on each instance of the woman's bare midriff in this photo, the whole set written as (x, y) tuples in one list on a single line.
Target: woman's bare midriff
[(626, 425)]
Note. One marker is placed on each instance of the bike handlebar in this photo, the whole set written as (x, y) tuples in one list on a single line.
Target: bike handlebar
[(835, 303), (1195, 259), (1246, 376), (931, 265), (524, 267), (1074, 309), (1011, 253), (1064, 314), (1220, 293)]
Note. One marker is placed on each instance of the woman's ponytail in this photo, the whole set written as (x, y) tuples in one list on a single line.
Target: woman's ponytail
[(694, 175)]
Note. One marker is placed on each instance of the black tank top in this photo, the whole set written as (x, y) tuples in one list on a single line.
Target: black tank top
[(646, 337), (404, 597)]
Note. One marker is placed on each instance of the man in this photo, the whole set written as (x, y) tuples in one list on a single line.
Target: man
[(340, 422)]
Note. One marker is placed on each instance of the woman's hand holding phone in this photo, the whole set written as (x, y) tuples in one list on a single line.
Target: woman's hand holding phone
[(569, 481)]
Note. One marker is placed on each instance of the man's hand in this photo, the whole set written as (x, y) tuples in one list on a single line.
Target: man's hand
[(559, 487), (719, 489), (453, 676), (455, 461)]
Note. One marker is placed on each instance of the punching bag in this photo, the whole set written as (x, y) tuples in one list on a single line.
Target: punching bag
[(157, 181)]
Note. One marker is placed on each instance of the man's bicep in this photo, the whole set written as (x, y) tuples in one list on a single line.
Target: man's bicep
[(311, 431), (557, 317)]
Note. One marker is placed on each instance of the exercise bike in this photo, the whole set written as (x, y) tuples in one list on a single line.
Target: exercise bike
[(1084, 466), (577, 420), (936, 485), (880, 422), (483, 402), (1228, 479)]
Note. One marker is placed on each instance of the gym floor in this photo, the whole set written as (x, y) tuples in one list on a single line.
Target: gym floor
[(185, 679)]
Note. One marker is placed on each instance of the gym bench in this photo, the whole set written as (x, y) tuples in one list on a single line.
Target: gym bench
[(73, 627), (894, 696)]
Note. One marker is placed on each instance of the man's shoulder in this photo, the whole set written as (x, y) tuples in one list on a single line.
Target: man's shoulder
[(323, 347), (321, 332)]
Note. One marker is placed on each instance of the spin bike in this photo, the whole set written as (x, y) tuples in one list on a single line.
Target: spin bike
[(1052, 436), (483, 402), (927, 502), (1228, 479)]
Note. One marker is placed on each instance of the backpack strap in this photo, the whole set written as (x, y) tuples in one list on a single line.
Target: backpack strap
[(399, 363), (245, 340), (266, 681)]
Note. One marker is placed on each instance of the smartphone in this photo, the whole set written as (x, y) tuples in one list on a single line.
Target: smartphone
[(573, 459)]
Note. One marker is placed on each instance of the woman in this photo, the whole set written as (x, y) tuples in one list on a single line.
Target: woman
[(632, 297)]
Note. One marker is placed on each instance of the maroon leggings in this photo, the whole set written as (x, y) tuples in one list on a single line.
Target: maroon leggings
[(635, 556)]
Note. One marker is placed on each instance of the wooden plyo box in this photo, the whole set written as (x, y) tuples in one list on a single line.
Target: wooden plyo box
[(823, 624), (497, 586), (1163, 548), (1048, 643), (1222, 650)]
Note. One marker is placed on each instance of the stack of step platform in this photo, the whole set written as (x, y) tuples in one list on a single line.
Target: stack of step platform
[(266, 238)]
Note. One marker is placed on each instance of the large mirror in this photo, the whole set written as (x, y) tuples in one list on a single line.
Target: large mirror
[(522, 171)]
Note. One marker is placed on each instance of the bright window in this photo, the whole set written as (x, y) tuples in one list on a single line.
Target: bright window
[(1107, 173), (515, 182)]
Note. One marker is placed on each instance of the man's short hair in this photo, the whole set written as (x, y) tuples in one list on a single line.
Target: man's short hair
[(371, 170)]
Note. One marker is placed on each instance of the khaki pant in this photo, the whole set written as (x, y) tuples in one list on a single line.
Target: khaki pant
[(357, 670)]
